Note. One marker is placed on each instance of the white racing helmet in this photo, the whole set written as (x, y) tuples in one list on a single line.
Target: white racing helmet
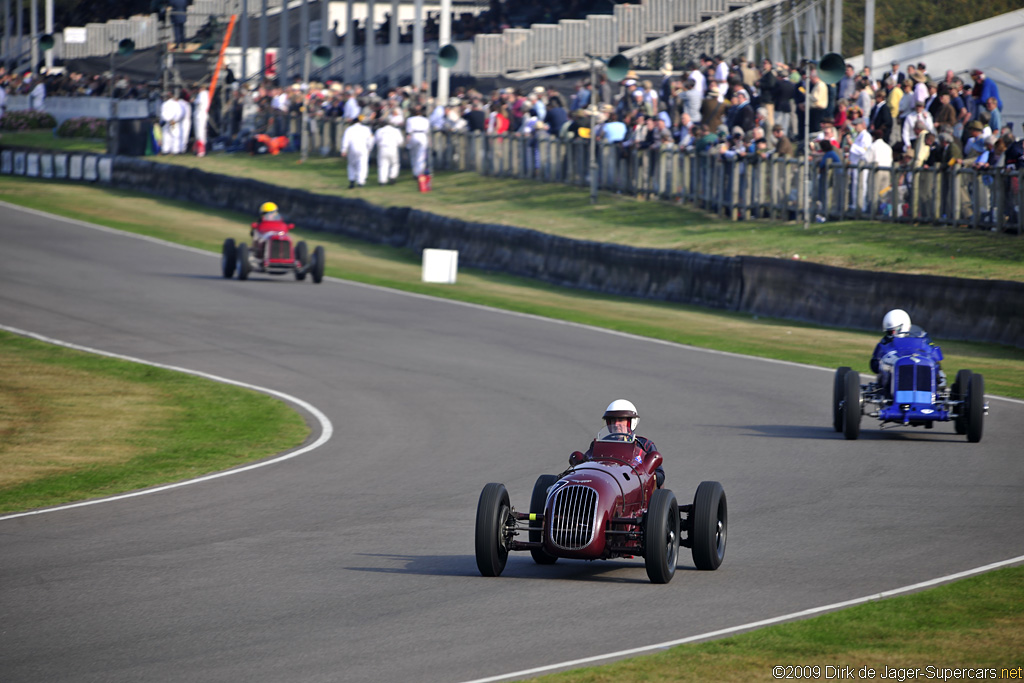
[(620, 409), (896, 322)]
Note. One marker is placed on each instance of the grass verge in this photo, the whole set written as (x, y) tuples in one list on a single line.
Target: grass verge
[(564, 210), (196, 226), (975, 623), (75, 426), (46, 139)]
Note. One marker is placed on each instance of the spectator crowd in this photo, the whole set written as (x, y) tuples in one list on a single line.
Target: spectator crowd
[(737, 110)]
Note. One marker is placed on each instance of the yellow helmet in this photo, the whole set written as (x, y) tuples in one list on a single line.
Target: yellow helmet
[(267, 207)]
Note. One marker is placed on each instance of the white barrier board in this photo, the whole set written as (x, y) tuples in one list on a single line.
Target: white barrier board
[(440, 265)]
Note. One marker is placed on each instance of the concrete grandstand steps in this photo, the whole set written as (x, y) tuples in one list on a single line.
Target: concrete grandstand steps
[(544, 49)]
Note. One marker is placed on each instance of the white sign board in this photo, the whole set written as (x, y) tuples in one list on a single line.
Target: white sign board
[(74, 34), (440, 265)]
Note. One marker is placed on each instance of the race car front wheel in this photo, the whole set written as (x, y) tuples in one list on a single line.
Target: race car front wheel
[(710, 525), (493, 515), (851, 406), (244, 266), (317, 264), (838, 392), (975, 406), (661, 536), (228, 258)]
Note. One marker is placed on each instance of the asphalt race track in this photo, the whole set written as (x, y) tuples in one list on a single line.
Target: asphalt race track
[(354, 562)]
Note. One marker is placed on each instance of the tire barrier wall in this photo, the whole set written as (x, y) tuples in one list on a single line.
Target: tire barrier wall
[(949, 307), (952, 308)]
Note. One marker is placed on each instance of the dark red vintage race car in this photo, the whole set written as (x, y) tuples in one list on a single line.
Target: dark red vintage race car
[(272, 252), (606, 507)]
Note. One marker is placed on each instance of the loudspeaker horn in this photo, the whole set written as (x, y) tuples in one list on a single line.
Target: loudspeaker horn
[(46, 42), (125, 46), (321, 56), (831, 68), (617, 67), (448, 56)]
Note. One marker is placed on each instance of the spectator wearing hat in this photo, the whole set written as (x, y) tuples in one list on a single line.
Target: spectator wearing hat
[(712, 109), (984, 89), (921, 116), (857, 155), (943, 114), (976, 134), (920, 86)]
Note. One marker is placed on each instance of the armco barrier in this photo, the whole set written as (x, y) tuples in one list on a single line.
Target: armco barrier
[(952, 308)]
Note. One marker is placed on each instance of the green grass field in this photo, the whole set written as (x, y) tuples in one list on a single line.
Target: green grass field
[(75, 426)]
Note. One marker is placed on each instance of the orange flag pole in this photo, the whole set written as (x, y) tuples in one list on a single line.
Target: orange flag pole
[(220, 59)]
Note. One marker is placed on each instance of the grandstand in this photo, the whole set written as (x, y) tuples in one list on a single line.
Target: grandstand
[(650, 32)]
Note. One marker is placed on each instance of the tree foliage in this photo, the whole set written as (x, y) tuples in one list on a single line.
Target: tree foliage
[(898, 22)]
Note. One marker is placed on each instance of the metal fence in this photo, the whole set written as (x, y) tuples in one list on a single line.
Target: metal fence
[(735, 189)]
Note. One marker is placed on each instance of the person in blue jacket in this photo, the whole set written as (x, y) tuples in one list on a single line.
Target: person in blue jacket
[(896, 325)]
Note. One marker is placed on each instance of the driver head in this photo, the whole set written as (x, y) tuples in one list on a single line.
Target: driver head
[(896, 323), (621, 415)]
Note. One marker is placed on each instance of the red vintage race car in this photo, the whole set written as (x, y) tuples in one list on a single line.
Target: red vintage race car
[(272, 252), (606, 507)]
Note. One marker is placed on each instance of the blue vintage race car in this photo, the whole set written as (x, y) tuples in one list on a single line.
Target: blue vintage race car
[(910, 390)]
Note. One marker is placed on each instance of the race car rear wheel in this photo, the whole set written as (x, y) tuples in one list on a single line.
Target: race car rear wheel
[(228, 258), (838, 392), (661, 536), (959, 393), (537, 501), (710, 525), (975, 408), (493, 516), (317, 264), (244, 266), (851, 406)]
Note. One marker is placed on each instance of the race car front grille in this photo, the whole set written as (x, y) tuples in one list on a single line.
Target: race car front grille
[(914, 384), (279, 249), (572, 517)]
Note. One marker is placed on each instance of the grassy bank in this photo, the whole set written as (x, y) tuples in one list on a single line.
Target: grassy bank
[(567, 211), (75, 426), (975, 623), (1003, 367)]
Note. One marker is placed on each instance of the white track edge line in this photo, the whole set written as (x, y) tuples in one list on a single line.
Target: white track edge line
[(467, 304), (326, 427), (752, 625)]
